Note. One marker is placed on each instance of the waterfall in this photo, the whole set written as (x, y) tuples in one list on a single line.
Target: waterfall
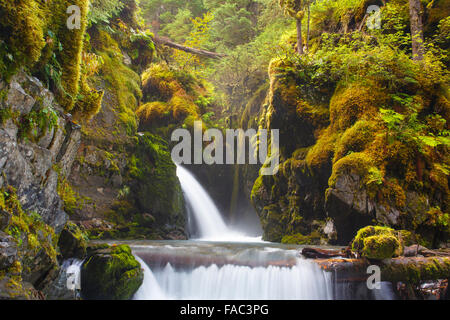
[(67, 284), (303, 281), (149, 289), (207, 217), (168, 279)]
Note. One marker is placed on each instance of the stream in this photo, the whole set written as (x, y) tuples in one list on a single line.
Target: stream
[(222, 264)]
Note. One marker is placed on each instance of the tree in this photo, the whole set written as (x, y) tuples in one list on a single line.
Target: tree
[(294, 8), (416, 29)]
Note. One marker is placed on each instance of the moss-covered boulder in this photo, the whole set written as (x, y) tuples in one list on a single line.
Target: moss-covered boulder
[(72, 242), (375, 242), (111, 273)]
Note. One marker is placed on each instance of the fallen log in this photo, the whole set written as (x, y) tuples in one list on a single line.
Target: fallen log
[(416, 250), (405, 269), (316, 253), (199, 52)]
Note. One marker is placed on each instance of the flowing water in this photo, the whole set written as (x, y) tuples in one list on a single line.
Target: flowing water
[(211, 226), (224, 264)]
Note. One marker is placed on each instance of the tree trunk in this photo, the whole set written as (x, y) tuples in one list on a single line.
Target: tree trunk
[(416, 29), (199, 52), (299, 37), (307, 31)]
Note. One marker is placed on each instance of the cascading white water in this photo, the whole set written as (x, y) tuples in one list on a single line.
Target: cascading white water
[(209, 221), (303, 281), (244, 269), (150, 289), (177, 276)]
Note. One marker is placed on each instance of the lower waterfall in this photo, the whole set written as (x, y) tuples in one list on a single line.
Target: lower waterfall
[(250, 273)]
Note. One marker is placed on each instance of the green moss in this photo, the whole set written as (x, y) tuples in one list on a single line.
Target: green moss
[(89, 101), (27, 228), (355, 139), (156, 188), (256, 187), (24, 22), (421, 270), (124, 83), (355, 102), (375, 242), (70, 57), (71, 199), (358, 163), (72, 242), (298, 238), (321, 154), (176, 98), (380, 247), (111, 273)]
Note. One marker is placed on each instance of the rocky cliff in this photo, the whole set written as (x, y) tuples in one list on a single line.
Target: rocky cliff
[(37, 142)]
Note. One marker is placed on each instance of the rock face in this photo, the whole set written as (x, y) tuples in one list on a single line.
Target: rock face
[(110, 273), (8, 250), (128, 177), (35, 140), (338, 170), (26, 162)]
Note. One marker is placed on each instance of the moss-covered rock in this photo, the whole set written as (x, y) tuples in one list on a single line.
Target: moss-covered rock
[(72, 242), (111, 273), (375, 242)]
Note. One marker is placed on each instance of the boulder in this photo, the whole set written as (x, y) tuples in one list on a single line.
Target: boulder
[(110, 273), (378, 243), (72, 242)]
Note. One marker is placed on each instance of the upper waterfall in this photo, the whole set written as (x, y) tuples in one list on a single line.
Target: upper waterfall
[(208, 218)]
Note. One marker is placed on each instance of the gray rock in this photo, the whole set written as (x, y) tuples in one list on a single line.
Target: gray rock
[(18, 99), (349, 207), (8, 250)]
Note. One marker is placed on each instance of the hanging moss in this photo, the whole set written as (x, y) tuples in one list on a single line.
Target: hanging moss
[(89, 101), (70, 57), (123, 81), (22, 27)]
